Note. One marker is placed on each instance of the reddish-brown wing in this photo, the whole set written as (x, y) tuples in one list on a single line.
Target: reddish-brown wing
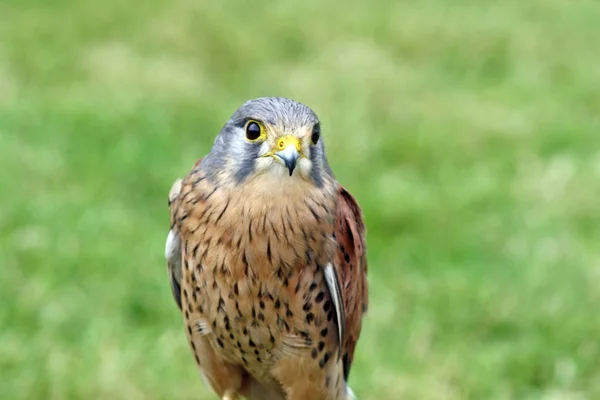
[(351, 267)]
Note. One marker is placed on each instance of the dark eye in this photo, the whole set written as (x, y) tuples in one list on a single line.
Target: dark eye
[(316, 134), (253, 130)]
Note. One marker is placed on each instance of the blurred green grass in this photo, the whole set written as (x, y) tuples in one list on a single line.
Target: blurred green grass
[(468, 131)]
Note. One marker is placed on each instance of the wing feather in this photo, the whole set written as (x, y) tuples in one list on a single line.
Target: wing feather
[(351, 269), (173, 244)]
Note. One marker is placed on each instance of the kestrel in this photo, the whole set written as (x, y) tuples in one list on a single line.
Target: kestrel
[(267, 260)]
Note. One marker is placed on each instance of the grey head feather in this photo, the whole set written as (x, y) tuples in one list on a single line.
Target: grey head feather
[(230, 147)]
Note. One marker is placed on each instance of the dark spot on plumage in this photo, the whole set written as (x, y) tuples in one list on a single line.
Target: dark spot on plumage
[(245, 361), (319, 297), (195, 250), (253, 312), (261, 304), (198, 267), (312, 210), (289, 313), (308, 256), (269, 255), (307, 306), (189, 328), (235, 289), (258, 359), (182, 218), (254, 324), (256, 352), (261, 317), (326, 357), (277, 304), (282, 324), (193, 345), (220, 342), (214, 324), (321, 346), (312, 286), (197, 358), (274, 230), (190, 307), (271, 337), (187, 314), (221, 307), (238, 344), (245, 331), (324, 332), (297, 288), (200, 309), (285, 282), (215, 285), (223, 211), (250, 232), (289, 221), (329, 315), (251, 343), (327, 306), (347, 257), (314, 353), (209, 195), (310, 317)]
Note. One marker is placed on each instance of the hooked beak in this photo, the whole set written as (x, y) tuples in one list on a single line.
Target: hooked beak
[(288, 151)]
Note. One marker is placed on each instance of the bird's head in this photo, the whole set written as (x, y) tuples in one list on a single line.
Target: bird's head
[(270, 137)]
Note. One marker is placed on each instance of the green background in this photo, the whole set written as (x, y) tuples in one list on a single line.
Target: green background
[(467, 130)]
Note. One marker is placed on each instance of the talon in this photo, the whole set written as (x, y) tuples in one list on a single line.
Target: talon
[(230, 395)]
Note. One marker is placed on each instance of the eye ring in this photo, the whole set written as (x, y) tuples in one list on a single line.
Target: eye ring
[(254, 131), (316, 134)]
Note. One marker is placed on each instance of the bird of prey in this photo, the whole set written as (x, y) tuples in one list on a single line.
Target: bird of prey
[(267, 260)]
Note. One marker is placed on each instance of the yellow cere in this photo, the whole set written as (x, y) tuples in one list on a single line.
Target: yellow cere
[(286, 141)]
